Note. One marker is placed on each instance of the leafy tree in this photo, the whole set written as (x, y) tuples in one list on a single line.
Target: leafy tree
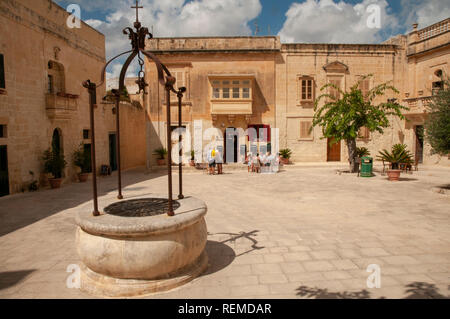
[(438, 122), (342, 118)]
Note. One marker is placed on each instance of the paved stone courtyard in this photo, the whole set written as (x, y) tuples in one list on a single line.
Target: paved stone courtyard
[(306, 232)]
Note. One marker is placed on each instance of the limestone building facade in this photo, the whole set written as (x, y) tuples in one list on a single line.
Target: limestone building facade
[(258, 82), (43, 64)]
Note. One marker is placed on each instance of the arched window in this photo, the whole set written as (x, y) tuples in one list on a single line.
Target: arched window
[(56, 80)]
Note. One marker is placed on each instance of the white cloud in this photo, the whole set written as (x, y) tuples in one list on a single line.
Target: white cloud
[(324, 21), (426, 12), (176, 18), (94, 23)]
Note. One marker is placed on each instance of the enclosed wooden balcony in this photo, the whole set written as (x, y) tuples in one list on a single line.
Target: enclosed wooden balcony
[(61, 106), (231, 107)]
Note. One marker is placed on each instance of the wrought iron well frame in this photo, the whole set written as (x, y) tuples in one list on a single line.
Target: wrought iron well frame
[(137, 37)]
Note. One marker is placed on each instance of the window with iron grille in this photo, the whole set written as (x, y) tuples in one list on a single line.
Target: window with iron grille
[(2, 130), (86, 134), (2, 72)]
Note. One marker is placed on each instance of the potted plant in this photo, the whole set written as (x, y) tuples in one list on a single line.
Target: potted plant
[(398, 154), (285, 155), (161, 152), (192, 162), (82, 159), (54, 163), (362, 151)]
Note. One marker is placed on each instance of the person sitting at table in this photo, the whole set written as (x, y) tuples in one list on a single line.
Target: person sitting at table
[(262, 161), (256, 163), (268, 162), (249, 162), (219, 161)]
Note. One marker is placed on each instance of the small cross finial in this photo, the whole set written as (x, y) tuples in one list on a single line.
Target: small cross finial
[(137, 7)]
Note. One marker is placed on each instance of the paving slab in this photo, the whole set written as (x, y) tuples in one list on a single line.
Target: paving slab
[(305, 232)]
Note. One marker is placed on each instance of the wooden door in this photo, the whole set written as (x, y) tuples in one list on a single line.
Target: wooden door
[(4, 180), (333, 151), (419, 143)]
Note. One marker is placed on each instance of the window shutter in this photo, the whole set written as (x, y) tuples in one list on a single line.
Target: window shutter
[(2, 72), (179, 78), (305, 126), (333, 91), (364, 87), (363, 133)]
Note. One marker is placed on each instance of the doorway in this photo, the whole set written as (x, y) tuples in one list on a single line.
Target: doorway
[(87, 150), (112, 151), (231, 145), (333, 151), (57, 147), (418, 132), (4, 179)]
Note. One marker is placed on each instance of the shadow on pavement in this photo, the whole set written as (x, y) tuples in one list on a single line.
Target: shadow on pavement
[(414, 290), (11, 278), (219, 256), (18, 211)]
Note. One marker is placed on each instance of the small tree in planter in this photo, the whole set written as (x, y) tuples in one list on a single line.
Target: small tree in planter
[(342, 118), (398, 155), (285, 155), (82, 159), (54, 163), (161, 152)]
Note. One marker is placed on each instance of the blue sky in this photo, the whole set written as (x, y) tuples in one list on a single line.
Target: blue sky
[(310, 21)]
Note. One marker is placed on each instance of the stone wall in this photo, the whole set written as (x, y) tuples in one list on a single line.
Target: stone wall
[(198, 67), (321, 62), (32, 34), (408, 62)]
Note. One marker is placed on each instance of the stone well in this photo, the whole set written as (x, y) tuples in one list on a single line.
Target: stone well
[(134, 248)]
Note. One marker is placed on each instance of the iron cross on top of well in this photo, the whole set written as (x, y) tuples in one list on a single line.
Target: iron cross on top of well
[(137, 7)]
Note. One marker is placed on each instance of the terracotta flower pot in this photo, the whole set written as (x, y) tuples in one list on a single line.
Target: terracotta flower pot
[(55, 182), (192, 163), (83, 177), (284, 161), (393, 174), (161, 162)]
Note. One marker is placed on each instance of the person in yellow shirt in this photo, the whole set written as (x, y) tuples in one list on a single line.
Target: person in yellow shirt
[(212, 161)]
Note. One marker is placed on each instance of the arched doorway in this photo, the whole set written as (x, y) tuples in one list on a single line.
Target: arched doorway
[(57, 145)]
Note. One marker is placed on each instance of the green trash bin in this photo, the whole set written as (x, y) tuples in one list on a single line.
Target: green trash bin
[(366, 166)]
